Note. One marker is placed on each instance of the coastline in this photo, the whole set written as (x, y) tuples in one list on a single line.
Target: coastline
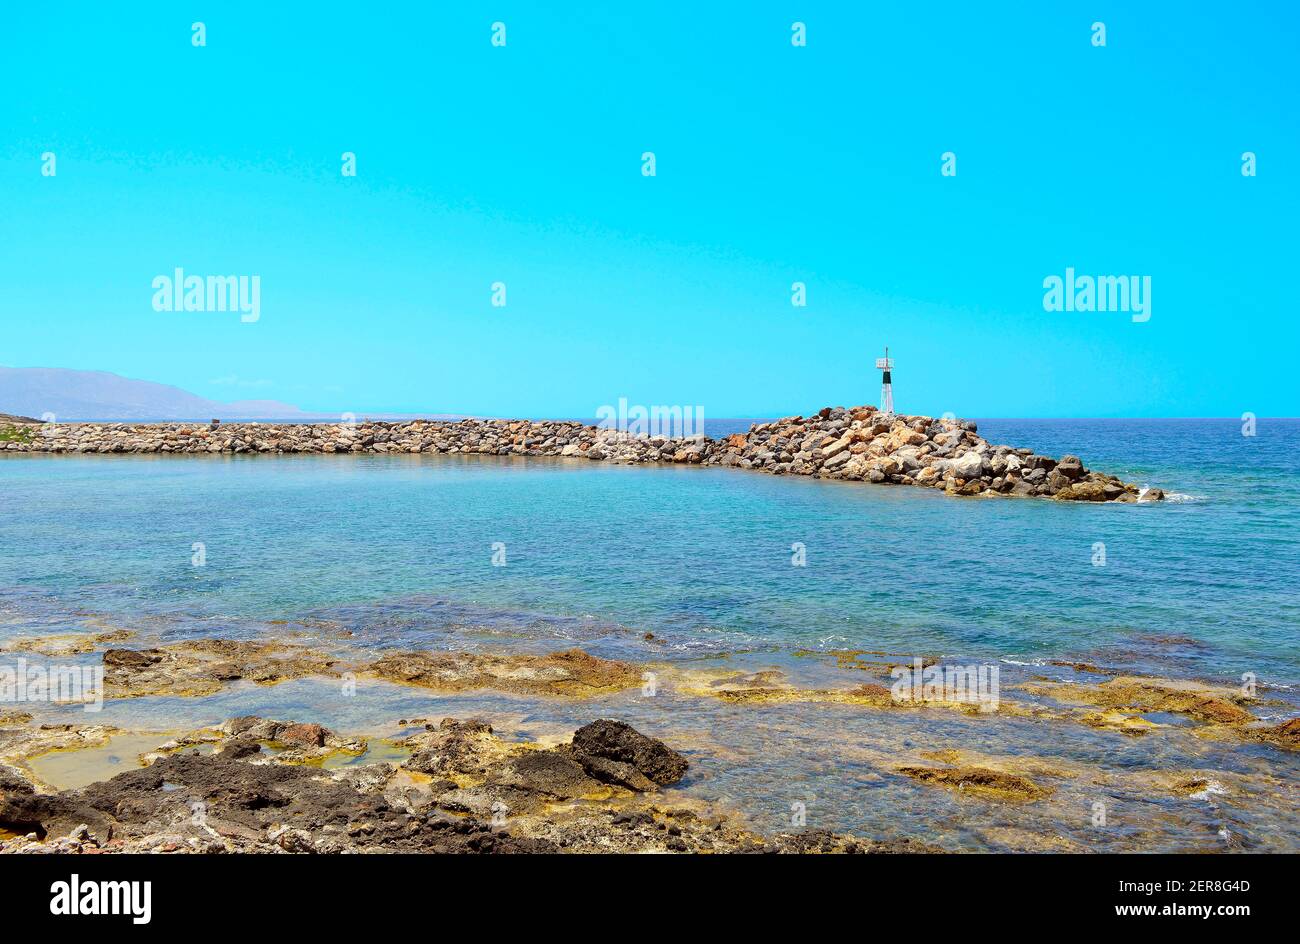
[(858, 444), (1188, 747), (449, 782)]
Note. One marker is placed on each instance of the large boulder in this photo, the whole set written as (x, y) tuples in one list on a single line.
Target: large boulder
[(23, 810), (968, 466), (620, 742), (1083, 491), (1071, 467), (837, 460)]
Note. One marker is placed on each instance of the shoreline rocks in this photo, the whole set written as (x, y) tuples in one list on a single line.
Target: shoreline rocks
[(856, 444), (463, 790), (293, 785), (980, 781), (202, 667)]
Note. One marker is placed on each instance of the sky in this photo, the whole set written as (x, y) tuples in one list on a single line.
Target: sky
[(774, 164)]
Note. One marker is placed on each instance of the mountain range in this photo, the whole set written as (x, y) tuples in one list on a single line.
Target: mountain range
[(100, 395)]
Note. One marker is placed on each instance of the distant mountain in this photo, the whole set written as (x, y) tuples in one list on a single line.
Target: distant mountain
[(99, 395)]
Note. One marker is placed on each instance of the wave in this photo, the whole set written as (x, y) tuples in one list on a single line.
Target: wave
[(1175, 497)]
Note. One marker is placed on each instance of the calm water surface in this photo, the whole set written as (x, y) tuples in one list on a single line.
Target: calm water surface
[(399, 550)]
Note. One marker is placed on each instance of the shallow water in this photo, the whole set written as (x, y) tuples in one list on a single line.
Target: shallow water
[(398, 552), (69, 770)]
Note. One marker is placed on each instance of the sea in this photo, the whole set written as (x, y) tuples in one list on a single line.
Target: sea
[(707, 569)]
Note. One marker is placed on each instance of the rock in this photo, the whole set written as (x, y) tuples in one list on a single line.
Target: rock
[(1082, 491), (614, 772), (303, 735), (241, 747), (23, 810), (572, 672), (621, 742), (980, 781), (967, 466), (1208, 704), (548, 772), (1286, 734), (835, 448), (453, 748), (200, 666), (1070, 467), (131, 658)]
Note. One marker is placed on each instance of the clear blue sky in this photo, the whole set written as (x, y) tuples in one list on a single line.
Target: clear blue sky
[(775, 164)]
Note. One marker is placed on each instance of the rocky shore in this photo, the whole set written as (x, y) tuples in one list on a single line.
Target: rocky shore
[(858, 444), (254, 785), (262, 785)]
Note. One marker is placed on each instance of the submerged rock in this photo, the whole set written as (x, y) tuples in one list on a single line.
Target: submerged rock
[(572, 672), (202, 666), (65, 644), (1206, 703), (1286, 734), (990, 784)]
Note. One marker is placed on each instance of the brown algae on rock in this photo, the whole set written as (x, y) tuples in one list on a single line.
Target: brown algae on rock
[(1206, 703), (1115, 720), (65, 644), (1285, 735), (203, 666), (572, 672), (980, 781)]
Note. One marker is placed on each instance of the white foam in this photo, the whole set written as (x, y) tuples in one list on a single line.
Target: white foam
[(1175, 497), (1212, 788)]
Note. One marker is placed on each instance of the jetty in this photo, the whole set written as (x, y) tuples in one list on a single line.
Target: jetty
[(859, 444)]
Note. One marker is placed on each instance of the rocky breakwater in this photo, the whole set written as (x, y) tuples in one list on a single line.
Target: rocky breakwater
[(862, 444), (858, 444)]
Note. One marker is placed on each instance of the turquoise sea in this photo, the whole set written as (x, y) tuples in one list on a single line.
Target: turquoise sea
[(399, 551)]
